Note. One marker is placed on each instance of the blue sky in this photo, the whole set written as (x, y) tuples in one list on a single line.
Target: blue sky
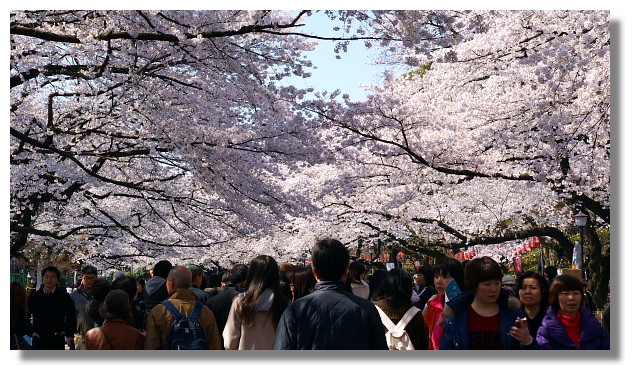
[(354, 68)]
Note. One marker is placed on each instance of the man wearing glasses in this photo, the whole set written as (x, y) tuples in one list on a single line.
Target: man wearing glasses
[(84, 293)]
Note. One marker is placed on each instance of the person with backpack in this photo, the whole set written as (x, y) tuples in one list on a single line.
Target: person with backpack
[(194, 321), (254, 315), (405, 327)]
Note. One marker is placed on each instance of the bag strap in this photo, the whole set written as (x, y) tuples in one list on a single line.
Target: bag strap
[(407, 317), (197, 310), (177, 315), (385, 319), (101, 329)]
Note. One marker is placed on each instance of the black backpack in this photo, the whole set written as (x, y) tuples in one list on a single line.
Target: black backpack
[(186, 332)]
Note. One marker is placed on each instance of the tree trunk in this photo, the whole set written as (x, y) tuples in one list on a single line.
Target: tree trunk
[(598, 269)]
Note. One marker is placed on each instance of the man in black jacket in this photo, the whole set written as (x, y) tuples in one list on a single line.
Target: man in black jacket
[(221, 303), (53, 313), (330, 318)]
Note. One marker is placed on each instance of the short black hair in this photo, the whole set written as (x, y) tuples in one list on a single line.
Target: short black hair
[(101, 287), (243, 271), (482, 269), (128, 284), (542, 283), (329, 259), (356, 271), (447, 266), (551, 272), (231, 277), (396, 288), (89, 270), (52, 269), (162, 268), (564, 283), (426, 271)]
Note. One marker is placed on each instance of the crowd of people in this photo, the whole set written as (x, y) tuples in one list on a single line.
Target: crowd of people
[(330, 305)]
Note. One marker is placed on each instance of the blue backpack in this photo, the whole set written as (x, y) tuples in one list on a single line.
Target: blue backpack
[(186, 332)]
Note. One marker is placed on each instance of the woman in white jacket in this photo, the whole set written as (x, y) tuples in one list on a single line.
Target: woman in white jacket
[(254, 315)]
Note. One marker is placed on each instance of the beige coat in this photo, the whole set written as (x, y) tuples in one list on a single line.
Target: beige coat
[(258, 336), (160, 320)]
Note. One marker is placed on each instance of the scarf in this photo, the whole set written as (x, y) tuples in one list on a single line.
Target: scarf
[(571, 326)]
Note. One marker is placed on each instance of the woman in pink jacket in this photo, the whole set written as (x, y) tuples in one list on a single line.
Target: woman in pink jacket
[(444, 271)]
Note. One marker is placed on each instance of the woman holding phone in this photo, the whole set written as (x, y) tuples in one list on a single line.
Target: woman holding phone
[(532, 289), (483, 317)]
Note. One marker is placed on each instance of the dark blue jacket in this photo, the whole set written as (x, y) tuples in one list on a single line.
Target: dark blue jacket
[(455, 329), (330, 318), (552, 334)]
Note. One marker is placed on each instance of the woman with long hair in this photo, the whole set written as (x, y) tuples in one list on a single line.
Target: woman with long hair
[(359, 287), (568, 324), (302, 282), (394, 302), (254, 314)]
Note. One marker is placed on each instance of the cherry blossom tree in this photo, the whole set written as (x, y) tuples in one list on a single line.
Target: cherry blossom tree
[(138, 134), (163, 133), (502, 135)]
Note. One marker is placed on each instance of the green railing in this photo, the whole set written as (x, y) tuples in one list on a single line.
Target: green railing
[(21, 278)]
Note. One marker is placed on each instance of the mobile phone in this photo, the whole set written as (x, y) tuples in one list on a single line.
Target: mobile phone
[(518, 320)]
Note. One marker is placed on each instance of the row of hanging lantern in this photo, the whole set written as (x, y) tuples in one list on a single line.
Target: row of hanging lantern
[(509, 250), (385, 257)]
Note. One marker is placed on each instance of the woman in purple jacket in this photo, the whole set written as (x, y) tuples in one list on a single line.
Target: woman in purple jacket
[(568, 324)]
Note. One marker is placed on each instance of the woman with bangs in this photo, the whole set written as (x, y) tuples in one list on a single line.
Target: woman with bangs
[(482, 317), (568, 325), (444, 271)]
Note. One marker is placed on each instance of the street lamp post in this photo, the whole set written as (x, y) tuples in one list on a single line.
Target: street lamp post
[(580, 221)]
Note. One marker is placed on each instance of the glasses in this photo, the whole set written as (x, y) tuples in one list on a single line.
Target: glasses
[(89, 278)]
